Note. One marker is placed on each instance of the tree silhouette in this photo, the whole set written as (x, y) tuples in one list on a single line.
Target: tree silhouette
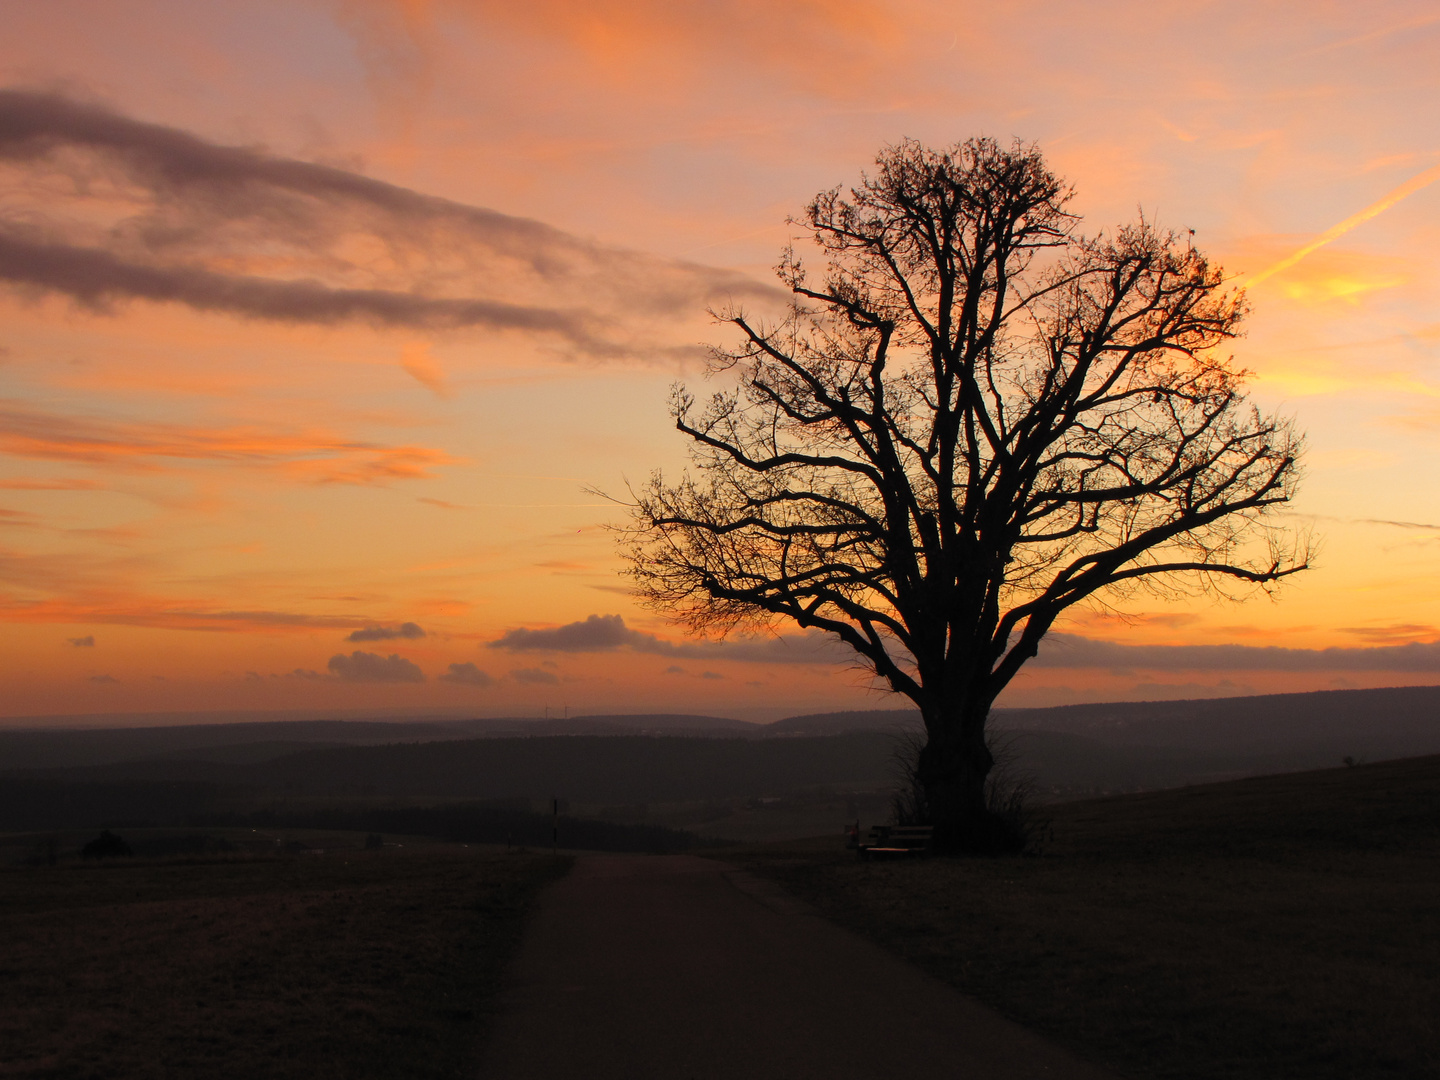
[(978, 418)]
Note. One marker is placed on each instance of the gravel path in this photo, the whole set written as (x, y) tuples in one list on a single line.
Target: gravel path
[(682, 968)]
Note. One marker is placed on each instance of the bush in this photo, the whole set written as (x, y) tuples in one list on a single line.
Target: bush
[(1012, 826), (106, 845), (46, 852)]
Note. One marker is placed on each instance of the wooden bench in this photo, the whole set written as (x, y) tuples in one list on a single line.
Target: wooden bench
[(896, 841)]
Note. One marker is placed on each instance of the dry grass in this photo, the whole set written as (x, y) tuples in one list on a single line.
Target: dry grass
[(1265, 929), (349, 964)]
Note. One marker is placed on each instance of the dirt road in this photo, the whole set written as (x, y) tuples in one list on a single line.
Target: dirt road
[(681, 968)]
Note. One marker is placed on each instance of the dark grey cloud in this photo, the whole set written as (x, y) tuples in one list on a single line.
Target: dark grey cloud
[(86, 642), (96, 278), (597, 633), (387, 633), (1071, 651), (35, 124), (372, 667), (605, 633), (468, 674), (811, 647), (448, 265), (534, 675)]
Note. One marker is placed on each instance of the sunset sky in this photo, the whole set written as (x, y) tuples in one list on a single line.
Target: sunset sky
[(321, 318)]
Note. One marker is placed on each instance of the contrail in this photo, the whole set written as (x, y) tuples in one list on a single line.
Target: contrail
[(1414, 184)]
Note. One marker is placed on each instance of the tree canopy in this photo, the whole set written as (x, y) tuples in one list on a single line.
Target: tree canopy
[(974, 417)]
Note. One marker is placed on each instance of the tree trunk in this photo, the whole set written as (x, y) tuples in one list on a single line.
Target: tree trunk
[(951, 772)]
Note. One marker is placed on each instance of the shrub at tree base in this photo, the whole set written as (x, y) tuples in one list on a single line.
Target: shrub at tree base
[(105, 846)]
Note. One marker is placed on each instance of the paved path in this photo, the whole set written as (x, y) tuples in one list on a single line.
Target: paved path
[(681, 968)]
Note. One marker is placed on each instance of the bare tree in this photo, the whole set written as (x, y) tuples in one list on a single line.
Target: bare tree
[(979, 418)]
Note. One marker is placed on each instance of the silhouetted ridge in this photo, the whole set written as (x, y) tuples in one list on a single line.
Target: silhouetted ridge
[(1390, 722), (852, 720)]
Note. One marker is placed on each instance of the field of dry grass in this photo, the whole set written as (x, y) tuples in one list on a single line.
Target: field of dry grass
[(350, 963), (1263, 929)]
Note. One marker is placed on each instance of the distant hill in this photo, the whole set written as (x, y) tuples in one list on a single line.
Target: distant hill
[(42, 748), (639, 723), (833, 723), (522, 772), (1402, 721), (103, 776)]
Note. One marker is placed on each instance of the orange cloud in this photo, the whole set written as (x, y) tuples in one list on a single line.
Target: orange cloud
[(171, 614), (312, 457), (835, 46), (50, 485), (1395, 634), (421, 366)]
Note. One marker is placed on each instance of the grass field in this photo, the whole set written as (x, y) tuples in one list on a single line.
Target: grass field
[(1262, 929), (350, 963)]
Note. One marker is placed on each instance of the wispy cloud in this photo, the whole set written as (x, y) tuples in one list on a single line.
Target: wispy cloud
[(216, 228), (1394, 633), (157, 612), (50, 485), (407, 630), (1378, 34), (660, 42), (315, 457), (1414, 184), (96, 278)]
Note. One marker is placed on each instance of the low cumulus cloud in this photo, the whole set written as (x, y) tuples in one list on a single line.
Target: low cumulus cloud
[(606, 633), (467, 674), (1071, 651), (372, 667), (597, 633), (215, 228), (86, 642), (387, 633)]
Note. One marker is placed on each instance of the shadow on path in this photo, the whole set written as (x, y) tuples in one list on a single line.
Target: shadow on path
[(682, 968)]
